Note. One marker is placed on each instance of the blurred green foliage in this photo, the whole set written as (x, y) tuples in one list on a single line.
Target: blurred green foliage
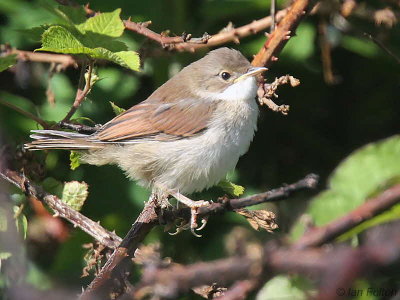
[(326, 123)]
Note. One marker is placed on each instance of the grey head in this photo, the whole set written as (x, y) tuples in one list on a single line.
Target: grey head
[(213, 73)]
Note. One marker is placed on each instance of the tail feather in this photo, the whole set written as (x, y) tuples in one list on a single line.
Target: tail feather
[(54, 139)]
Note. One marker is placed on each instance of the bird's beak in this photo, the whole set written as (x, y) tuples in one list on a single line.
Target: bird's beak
[(254, 71)]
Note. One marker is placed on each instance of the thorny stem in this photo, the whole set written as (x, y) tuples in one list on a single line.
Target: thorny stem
[(282, 33), (61, 209)]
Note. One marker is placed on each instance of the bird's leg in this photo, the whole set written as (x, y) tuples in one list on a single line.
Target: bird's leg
[(194, 206)]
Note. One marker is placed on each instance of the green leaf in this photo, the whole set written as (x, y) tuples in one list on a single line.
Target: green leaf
[(301, 46), (7, 61), (117, 110), (75, 160), (283, 286), (3, 220), (34, 33), (360, 46), (75, 194), (64, 40), (109, 24), (21, 221), (231, 188), (75, 15), (5, 255), (362, 175)]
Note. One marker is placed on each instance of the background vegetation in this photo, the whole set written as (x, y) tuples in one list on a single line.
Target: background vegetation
[(326, 123)]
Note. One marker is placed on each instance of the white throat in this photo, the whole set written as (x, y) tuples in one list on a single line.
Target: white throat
[(243, 90)]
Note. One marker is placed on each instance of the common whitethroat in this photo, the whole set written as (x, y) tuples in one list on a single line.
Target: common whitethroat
[(185, 137)]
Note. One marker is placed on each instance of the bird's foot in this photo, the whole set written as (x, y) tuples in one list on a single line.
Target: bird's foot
[(194, 207)]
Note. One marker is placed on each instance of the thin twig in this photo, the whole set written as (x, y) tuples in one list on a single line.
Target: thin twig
[(234, 34), (383, 47), (187, 43), (64, 60), (84, 87), (326, 52), (61, 209), (272, 13), (25, 113), (164, 41), (81, 128), (267, 91)]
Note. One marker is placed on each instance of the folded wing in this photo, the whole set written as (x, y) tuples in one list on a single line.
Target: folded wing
[(158, 121)]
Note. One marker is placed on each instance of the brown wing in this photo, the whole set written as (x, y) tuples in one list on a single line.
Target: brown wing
[(157, 120)]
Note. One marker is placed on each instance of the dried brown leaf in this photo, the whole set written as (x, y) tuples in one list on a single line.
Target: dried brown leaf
[(385, 17), (259, 219), (93, 258), (209, 291), (150, 255)]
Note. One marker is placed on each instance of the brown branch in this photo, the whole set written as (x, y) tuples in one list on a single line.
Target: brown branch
[(284, 192), (324, 234), (83, 90), (117, 265), (379, 251), (233, 35), (267, 91), (284, 30), (239, 291), (25, 113), (326, 52), (63, 59), (187, 43), (81, 128), (164, 41), (61, 209), (103, 283)]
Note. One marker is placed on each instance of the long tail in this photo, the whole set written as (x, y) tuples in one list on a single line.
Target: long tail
[(54, 139)]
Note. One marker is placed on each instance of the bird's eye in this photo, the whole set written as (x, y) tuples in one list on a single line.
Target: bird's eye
[(225, 75)]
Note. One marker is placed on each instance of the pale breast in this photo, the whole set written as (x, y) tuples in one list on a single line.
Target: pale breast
[(200, 162), (193, 164)]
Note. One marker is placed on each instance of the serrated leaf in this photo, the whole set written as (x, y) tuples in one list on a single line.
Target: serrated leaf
[(259, 218), (35, 33), (7, 61), (231, 188), (75, 160), (74, 194), (117, 110), (109, 24), (62, 39)]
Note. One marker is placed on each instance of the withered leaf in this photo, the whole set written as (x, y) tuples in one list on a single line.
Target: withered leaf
[(259, 218)]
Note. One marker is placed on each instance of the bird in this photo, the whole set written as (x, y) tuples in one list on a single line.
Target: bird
[(184, 138)]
